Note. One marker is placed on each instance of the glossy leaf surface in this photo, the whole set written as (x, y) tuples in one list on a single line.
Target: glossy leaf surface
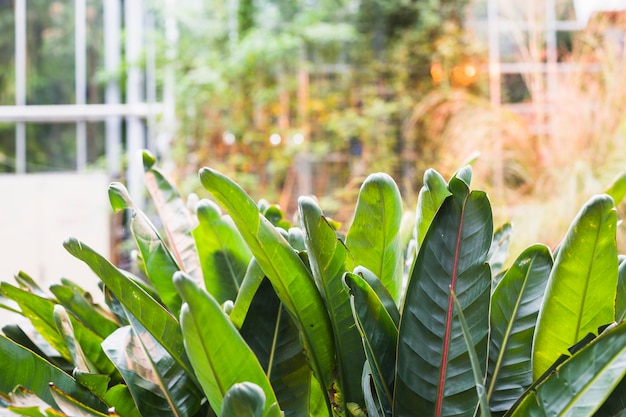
[(289, 276), (152, 315), (580, 296), (275, 341), (220, 356), (430, 198), (374, 239), (243, 400), (223, 253), (515, 305), (433, 371), (158, 262), (579, 386), (330, 260), (175, 216), (379, 333), (18, 361)]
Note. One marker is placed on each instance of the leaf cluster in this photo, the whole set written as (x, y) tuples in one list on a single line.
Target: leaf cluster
[(246, 314)]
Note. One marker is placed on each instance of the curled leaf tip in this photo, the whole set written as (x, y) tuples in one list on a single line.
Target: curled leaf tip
[(148, 159)]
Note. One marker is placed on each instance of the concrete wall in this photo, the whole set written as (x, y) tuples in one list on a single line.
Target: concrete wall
[(39, 211)]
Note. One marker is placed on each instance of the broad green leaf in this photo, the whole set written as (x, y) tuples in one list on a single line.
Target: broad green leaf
[(374, 236), (220, 356), (80, 303), (620, 297), (244, 400), (158, 262), (71, 406), (95, 383), (499, 250), (515, 305), (580, 296), (433, 370), (274, 339), (223, 253), (617, 190), (289, 276), (477, 369), (249, 286), (40, 312), (22, 402), (430, 198), (121, 400), (66, 329), (157, 383), (579, 385), (381, 292), (152, 315), (18, 361), (34, 342), (26, 282), (175, 216), (379, 333), (330, 260)]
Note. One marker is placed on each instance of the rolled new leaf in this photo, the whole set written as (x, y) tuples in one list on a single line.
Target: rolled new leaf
[(244, 400), (430, 198), (580, 296)]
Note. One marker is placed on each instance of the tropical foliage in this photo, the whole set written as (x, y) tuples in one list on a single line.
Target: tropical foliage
[(246, 314)]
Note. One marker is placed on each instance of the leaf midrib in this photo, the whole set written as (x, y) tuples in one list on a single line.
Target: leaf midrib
[(446, 344)]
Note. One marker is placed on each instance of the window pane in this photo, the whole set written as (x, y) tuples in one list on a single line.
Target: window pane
[(7, 148), (7, 54), (50, 51), (50, 147)]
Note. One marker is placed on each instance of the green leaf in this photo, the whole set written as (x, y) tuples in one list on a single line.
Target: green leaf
[(119, 397), (71, 406), (95, 383), (23, 402), (515, 305), (479, 378), (66, 329), (18, 361), (80, 303), (329, 260), (220, 356), (379, 333), (175, 216), (243, 400), (581, 290), (499, 250), (579, 385), (372, 401), (275, 341), (157, 383), (158, 262), (430, 198), (374, 238), (620, 297), (223, 253), (433, 371), (152, 315), (617, 190), (289, 276), (39, 311), (249, 286), (381, 292)]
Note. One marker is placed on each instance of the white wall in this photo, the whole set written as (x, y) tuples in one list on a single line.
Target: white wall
[(39, 211)]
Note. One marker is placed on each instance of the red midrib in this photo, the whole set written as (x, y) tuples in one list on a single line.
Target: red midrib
[(446, 340)]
